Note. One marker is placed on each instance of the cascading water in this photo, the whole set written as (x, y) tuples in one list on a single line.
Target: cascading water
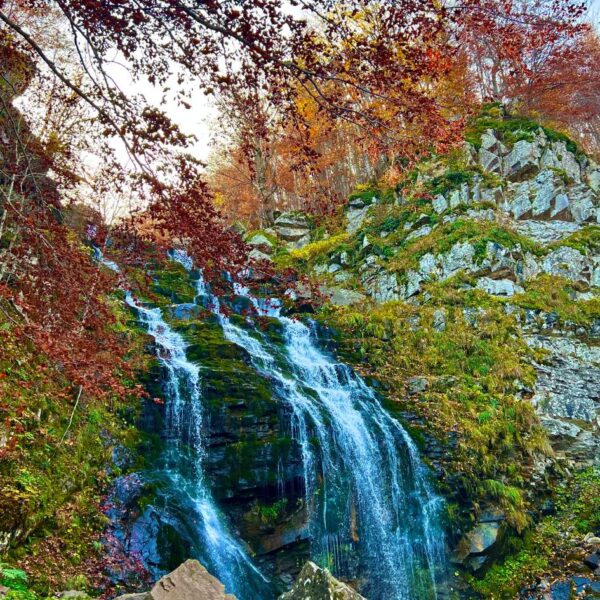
[(183, 499), (372, 513)]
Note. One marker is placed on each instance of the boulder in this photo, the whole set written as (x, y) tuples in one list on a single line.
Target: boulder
[(343, 297), (544, 189), (190, 581), (581, 200), (440, 204), (356, 217), (293, 228), (499, 287), (413, 284), (594, 180), (261, 242), (490, 142), (428, 265), (455, 199), (558, 156), (382, 286), (592, 561), (418, 233), (257, 255), (315, 583), (416, 385), (561, 203), (521, 203), (522, 161), (475, 548), (459, 257), (439, 320), (489, 161), (546, 232)]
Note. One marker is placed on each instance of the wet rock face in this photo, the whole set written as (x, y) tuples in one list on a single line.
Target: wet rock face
[(480, 545), (315, 583)]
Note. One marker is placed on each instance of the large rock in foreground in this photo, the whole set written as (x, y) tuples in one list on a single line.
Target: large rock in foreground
[(189, 581), (315, 583)]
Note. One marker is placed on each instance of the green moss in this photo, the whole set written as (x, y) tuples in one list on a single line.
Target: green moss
[(512, 128), (462, 230), (368, 191), (586, 240), (172, 282), (450, 180), (55, 470), (553, 294), (311, 253), (256, 232), (267, 514)]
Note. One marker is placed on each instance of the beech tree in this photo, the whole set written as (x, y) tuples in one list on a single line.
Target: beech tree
[(370, 73)]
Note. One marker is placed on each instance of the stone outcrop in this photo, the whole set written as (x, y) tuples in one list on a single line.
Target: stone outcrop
[(190, 581), (315, 583), (567, 396), (293, 229)]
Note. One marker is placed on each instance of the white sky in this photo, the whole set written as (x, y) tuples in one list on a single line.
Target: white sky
[(198, 120)]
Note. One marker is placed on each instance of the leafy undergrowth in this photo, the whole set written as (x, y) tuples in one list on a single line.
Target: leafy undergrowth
[(56, 445), (553, 548), (555, 295)]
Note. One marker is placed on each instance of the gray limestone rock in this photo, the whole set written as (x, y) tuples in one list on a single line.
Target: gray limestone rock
[(356, 217), (428, 265), (382, 287), (439, 320), (499, 287), (293, 228), (342, 297), (440, 204), (594, 180), (581, 204), (521, 203), (258, 255), (418, 233), (413, 284), (261, 242), (569, 263), (190, 581), (568, 384), (522, 161), (546, 232), (459, 257), (489, 161)]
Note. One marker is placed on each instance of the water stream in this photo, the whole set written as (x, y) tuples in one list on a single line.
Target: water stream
[(183, 499), (372, 514)]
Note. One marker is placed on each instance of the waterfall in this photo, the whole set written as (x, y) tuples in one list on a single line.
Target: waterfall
[(183, 500), (373, 515), (371, 512)]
